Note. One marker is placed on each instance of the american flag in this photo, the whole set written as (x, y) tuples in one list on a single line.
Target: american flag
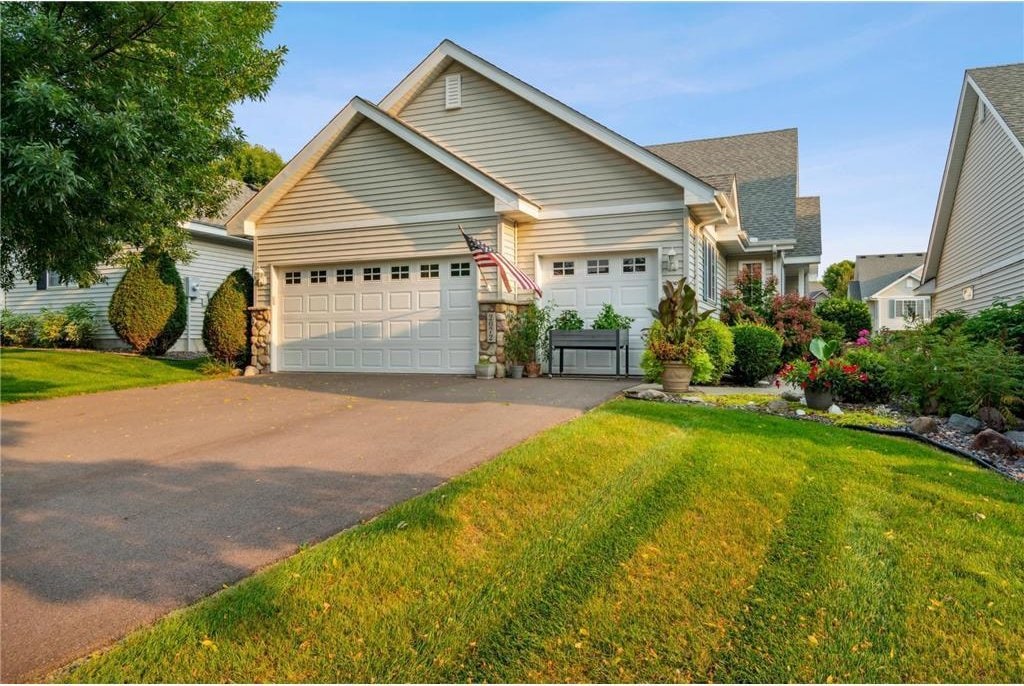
[(484, 256)]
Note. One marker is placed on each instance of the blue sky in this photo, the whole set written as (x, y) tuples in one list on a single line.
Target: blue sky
[(872, 88)]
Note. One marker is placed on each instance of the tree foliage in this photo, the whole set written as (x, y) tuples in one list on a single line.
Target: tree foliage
[(114, 117), (837, 277), (253, 164), (149, 309)]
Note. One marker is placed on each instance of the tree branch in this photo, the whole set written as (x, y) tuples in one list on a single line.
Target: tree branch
[(139, 32)]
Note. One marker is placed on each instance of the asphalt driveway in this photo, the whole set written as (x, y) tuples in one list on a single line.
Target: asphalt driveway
[(121, 506)]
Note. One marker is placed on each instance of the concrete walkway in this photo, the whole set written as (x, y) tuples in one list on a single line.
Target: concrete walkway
[(119, 507)]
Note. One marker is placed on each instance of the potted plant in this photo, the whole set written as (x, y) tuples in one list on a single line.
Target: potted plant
[(676, 343), (821, 377), (485, 368), (517, 345), (531, 324), (610, 332)]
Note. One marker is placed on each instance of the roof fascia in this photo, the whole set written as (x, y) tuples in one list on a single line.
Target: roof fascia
[(418, 78)]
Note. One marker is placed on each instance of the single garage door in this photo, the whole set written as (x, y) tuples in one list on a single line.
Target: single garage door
[(379, 317), (628, 281)]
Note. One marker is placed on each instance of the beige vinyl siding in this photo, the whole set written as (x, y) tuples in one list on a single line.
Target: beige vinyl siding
[(211, 265), (986, 226), (370, 175), (384, 243), (545, 159), (580, 235)]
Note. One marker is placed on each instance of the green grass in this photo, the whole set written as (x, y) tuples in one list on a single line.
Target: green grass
[(642, 542), (38, 374)]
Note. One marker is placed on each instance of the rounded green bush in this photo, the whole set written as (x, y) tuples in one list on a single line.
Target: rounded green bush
[(226, 322), (716, 339), (833, 331), (148, 309), (758, 352), (853, 315)]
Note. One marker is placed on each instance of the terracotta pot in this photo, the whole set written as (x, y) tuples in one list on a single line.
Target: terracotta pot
[(532, 370), (515, 371), (818, 400), (676, 378)]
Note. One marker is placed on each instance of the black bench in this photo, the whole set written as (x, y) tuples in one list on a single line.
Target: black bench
[(588, 339)]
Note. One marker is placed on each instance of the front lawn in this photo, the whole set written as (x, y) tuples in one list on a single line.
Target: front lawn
[(642, 542), (38, 374)]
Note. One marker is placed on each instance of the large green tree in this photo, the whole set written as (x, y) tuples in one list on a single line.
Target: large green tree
[(114, 119), (837, 277), (253, 164)]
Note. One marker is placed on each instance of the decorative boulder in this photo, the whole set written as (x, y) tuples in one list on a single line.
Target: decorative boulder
[(1017, 437), (992, 418), (791, 395), (924, 425), (801, 413), (968, 425), (835, 409), (995, 442), (652, 394), (778, 406), (250, 371)]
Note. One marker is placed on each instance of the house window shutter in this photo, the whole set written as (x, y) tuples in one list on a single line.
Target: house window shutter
[(892, 309), (453, 91)]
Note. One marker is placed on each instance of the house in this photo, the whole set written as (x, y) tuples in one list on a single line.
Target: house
[(976, 250), (360, 265), (216, 254), (888, 284)]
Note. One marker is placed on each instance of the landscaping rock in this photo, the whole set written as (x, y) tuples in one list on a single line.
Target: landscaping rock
[(250, 371), (499, 371), (924, 425), (992, 418), (801, 413), (995, 442), (652, 394), (1017, 437), (778, 406), (791, 395), (835, 409), (968, 425)]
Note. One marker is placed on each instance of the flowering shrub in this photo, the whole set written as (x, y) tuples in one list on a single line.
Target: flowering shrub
[(750, 300), (863, 337), (792, 316), (830, 375)]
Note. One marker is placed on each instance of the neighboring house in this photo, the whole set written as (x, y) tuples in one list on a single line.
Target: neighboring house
[(976, 251), (888, 284), (817, 292), (361, 267), (216, 254)]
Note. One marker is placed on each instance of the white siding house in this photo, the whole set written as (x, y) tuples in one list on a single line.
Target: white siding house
[(976, 251)]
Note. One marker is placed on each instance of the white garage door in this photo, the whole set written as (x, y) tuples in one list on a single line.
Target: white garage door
[(628, 281), (379, 317)]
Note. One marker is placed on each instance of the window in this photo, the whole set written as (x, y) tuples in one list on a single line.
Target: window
[(597, 266), (564, 268), (318, 276), (430, 271), (460, 268), (913, 309), (634, 265), (453, 91), (756, 269), (371, 273), (709, 286), (343, 275), (293, 278), (50, 279), (401, 272)]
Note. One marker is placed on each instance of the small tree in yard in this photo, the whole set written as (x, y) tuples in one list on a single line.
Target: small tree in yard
[(226, 322), (794, 320), (854, 316), (837, 278), (148, 309), (750, 299)]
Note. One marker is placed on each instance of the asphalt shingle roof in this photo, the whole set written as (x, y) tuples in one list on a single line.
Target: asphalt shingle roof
[(1004, 88), (872, 273), (240, 195), (808, 227), (765, 165)]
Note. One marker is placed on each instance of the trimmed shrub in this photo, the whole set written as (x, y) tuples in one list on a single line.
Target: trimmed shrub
[(1001, 322), (226, 322), (852, 315), (716, 338), (794, 320), (873, 363), (17, 329), (948, 319), (758, 350), (148, 309), (832, 331), (71, 327)]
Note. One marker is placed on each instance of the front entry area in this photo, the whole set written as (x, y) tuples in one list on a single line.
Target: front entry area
[(404, 316)]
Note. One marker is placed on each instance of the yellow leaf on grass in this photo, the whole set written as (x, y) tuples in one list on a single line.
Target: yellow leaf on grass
[(812, 639), (207, 643)]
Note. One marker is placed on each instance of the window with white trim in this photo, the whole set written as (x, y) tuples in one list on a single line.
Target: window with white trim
[(430, 271), (51, 279), (756, 269), (371, 273), (597, 266), (343, 275), (563, 268), (909, 308), (460, 269), (318, 276), (634, 265), (293, 278), (400, 272), (709, 272)]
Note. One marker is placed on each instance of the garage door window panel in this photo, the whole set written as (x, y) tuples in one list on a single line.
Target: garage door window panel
[(343, 275), (597, 266), (293, 278), (460, 269), (400, 272), (371, 273)]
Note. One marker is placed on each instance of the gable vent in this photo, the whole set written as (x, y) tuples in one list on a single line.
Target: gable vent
[(453, 91)]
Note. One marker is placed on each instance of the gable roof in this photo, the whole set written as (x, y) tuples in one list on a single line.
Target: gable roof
[(356, 111), (765, 165), (872, 273), (808, 227), (241, 193), (999, 89), (447, 52)]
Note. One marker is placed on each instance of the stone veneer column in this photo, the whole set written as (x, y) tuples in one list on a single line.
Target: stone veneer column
[(260, 336), (495, 351)]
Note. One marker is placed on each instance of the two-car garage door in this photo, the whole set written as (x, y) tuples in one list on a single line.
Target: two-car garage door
[(378, 317)]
